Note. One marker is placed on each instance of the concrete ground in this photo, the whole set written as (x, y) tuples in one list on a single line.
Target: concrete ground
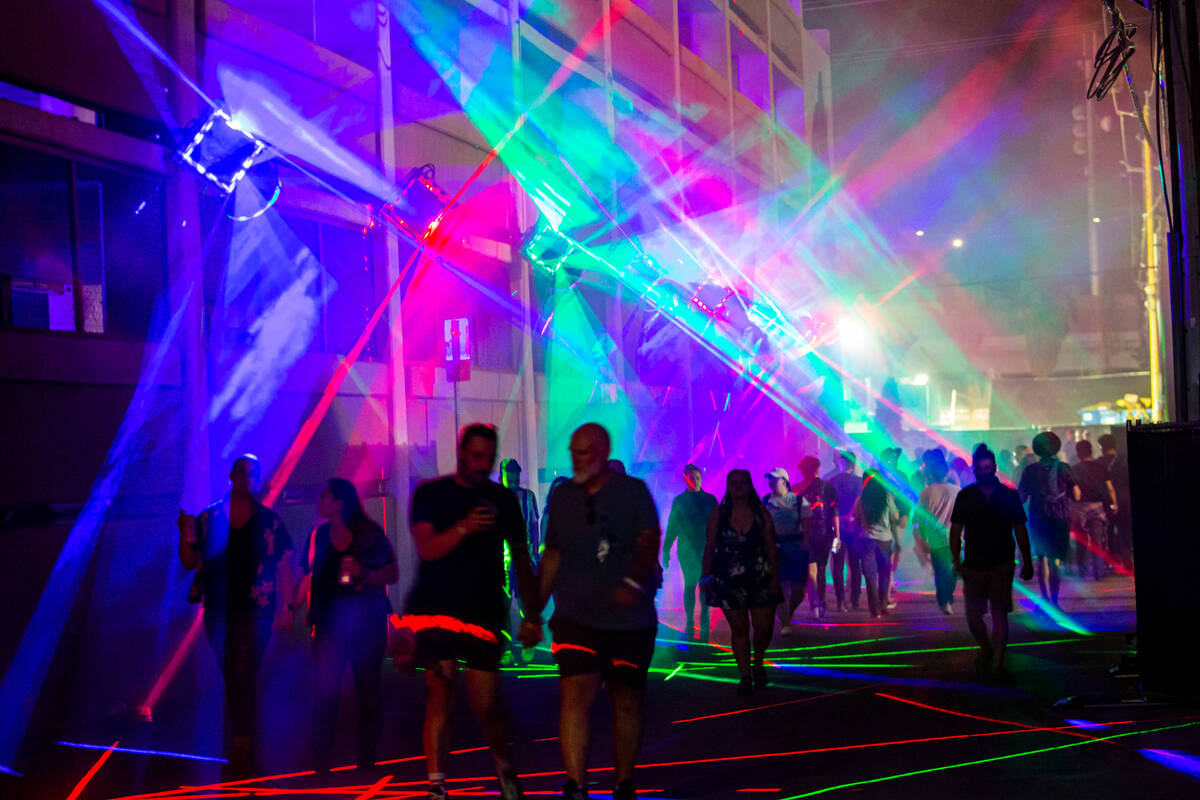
[(855, 708)]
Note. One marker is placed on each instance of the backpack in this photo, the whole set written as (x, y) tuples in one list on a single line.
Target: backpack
[(1054, 500)]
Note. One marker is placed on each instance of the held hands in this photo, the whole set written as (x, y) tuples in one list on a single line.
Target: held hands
[(187, 526), (530, 634)]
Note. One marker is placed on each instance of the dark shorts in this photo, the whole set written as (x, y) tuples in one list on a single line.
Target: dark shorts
[(793, 560), (1050, 538), (468, 650), (984, 588), (621, 657)]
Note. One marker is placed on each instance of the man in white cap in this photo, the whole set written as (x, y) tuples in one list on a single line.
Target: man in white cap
[(790, 514)]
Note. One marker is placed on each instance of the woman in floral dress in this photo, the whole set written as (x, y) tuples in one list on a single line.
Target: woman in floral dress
[(741, 574)]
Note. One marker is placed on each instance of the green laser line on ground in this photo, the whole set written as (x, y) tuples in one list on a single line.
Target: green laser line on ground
[(837, 644), (946, 649), (987, 760)]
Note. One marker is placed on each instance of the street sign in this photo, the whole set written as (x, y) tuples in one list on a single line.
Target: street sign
[(457, 349)]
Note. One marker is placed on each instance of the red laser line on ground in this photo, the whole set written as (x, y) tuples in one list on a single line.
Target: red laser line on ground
[(720, 759), (1069, 731), (772, 705), (375, 788), (91, 773)]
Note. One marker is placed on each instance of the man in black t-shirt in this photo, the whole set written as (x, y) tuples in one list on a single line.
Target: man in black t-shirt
[(242, 554), (990, 513), (459, 607), (601, 563)]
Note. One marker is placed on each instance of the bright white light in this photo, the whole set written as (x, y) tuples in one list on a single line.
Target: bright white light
[(854, 331), (1095, 219), (921, 380), (957, 243), (920, 233)]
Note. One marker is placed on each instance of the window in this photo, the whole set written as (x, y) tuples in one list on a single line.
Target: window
[(82, 247)]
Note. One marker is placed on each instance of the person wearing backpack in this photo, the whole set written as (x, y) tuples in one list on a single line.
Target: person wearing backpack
[(1049, 487)]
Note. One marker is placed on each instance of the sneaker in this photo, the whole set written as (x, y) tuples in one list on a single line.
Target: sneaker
[(785, 630), (624, 791), (760, 679), (841, 607), (947, 609), (572, 791), (437, 792), (510, 787), (891, 605), (745, 687)]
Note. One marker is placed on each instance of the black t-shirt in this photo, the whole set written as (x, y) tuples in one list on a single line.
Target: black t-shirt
[(1091, 475), (239, 565), (597, 535), (468, 583), (822, 498), (332, 603), (848, 485), (988, 525)]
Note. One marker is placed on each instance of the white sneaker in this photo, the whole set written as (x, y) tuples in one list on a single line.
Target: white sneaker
[(785, 630), (947, 609)]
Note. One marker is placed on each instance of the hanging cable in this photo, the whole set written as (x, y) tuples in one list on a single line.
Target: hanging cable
[(1114, 53)]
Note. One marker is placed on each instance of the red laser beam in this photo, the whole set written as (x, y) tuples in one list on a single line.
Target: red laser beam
[(288, 464), (772, 705), (1091, 546), (168, 673), (1070, 731), (91, 773), (375, 788)]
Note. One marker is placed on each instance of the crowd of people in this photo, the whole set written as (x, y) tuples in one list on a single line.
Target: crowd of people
[(490, 565)]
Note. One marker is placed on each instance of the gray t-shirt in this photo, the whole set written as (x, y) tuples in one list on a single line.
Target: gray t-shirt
[(597, 535)]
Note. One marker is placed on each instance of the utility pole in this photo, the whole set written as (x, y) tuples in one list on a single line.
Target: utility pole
[(1090, 124), (1150, 254)]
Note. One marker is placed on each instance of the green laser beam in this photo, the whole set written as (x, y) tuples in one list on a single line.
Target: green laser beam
[(837, 644), (672, 675), (987, 760), (946, 649)]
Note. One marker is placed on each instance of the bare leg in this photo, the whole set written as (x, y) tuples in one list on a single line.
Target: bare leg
[(1055, 579), (739, 635), (1041, 576), (574, 722), (440, 703), (763, 629), (979, 629), (814, 598), (627, 703), (999, 636), (793, 597), (483, 693)]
